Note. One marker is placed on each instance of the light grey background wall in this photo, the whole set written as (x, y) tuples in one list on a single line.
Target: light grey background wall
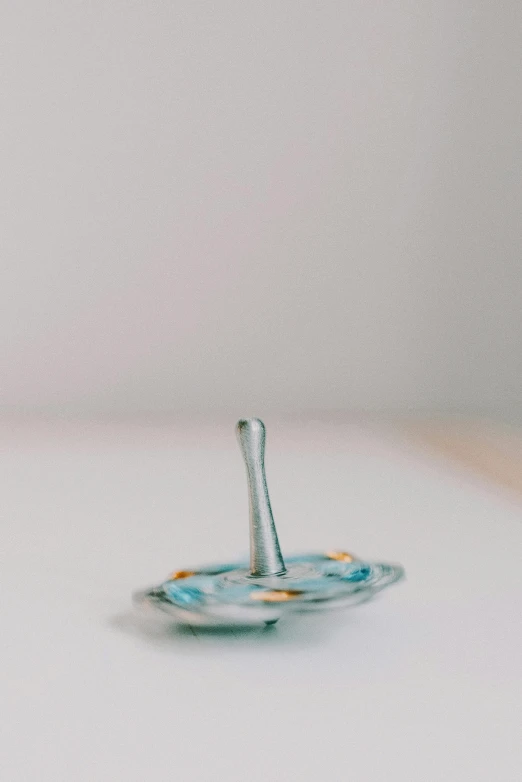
[(261, 205)]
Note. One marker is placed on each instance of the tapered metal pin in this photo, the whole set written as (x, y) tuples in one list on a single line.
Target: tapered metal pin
[(265, 553)]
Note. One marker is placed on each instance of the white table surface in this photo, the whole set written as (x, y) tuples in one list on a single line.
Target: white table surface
[(423, 684)]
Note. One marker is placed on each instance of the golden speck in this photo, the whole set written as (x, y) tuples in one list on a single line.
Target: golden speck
[(340, 556), (181, 574), (276, 595)]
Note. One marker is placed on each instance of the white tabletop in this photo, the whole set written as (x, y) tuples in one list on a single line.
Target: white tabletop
[(423, 684)]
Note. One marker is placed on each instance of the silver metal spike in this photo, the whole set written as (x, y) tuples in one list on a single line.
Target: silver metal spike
[(265, 554)]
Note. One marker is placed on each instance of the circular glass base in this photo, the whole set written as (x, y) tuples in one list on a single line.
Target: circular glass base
[(227, 595)]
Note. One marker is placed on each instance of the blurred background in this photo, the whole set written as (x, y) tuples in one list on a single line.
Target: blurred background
[(257, 207)]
